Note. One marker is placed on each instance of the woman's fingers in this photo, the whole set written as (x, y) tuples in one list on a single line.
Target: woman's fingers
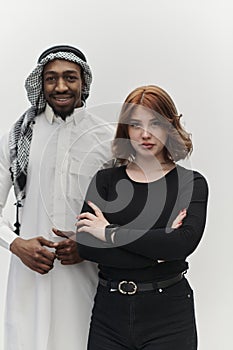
[(86, 215), (179, 219), (96, 209), (90, 216), (84, 229), (92, 223), (83, 222)]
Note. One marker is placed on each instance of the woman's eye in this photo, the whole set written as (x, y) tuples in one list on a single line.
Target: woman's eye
[(156, 123), (135, 125)]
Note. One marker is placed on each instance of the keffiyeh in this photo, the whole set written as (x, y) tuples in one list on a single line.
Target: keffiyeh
[(21, 132), (34, 85)]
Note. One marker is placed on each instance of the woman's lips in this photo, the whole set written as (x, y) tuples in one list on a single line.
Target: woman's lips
[(147, 145)]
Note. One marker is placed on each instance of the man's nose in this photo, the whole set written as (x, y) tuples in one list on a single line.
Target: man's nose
[(61, 85)]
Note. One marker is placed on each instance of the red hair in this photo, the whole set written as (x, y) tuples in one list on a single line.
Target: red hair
[(178, 145)]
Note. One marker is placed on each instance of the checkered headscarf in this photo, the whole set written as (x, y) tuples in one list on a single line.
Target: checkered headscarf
[(21, 132)]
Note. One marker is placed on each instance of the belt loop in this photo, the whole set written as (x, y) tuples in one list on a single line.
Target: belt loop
[(155, 285), (110, 286)]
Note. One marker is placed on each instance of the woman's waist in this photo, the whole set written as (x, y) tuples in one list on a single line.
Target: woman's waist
[(158, 272)]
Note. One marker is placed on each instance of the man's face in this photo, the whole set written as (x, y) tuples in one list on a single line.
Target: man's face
[(62, 83)]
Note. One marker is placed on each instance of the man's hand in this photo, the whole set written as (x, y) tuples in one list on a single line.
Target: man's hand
[(66, 250), (33, 254)]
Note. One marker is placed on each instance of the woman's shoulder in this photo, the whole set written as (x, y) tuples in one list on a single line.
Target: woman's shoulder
[(110, 172), (189, 172), (191, 176)]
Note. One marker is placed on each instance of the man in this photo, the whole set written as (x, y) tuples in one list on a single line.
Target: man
[(52, 152)]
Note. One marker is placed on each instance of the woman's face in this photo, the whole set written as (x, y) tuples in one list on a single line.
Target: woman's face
[(147, 133)]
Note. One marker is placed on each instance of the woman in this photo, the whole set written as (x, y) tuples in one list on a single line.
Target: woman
[(140, 221)]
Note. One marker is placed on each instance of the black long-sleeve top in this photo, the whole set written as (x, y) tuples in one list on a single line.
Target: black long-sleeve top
[(145, 212)]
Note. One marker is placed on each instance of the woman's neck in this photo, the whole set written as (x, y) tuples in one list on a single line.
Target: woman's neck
[(149, 170)]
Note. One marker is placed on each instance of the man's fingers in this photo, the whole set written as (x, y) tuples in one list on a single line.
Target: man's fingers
[(62, 245), (42, 269), (35, 254), (45, 242), (45, 257), (63, 250), (65, 234), (69, 254), (59, 233), (42, 254), (70, 261), (66, 243), (63, 257), (41, 264)]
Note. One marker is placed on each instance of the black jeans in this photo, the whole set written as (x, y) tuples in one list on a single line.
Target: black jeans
[(153, 320)]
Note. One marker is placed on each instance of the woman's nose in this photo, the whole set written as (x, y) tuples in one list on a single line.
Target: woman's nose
[(146, 133)]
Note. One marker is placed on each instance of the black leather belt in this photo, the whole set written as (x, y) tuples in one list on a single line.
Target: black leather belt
[(130, 287)]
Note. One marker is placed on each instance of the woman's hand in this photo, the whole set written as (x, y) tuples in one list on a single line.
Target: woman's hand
[(93, 223), (179, 219), (177, 223)]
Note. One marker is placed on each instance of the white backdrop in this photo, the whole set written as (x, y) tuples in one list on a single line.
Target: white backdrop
[(183, 46)]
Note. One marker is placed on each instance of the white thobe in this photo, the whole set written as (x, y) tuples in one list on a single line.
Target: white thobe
[(52, 311)]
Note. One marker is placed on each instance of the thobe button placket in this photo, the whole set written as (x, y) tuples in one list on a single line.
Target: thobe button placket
[(60, 181)]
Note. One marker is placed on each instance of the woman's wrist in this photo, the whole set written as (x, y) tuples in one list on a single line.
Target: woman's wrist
[(110, 231)]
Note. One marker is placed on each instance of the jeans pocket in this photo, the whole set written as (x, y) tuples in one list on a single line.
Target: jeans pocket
[(179, 291)]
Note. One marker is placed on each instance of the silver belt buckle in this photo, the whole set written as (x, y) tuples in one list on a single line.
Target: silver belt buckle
[(133, 284)]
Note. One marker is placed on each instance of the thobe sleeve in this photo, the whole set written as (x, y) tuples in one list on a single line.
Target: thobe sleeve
[(7, 235)]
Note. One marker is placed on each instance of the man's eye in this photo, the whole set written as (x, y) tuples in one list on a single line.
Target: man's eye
[(71, 78), (50, 79)]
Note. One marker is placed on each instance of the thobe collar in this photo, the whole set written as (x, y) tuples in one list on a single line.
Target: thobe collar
[(51, 116)]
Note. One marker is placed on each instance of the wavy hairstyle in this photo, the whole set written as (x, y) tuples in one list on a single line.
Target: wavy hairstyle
[(178, 145)]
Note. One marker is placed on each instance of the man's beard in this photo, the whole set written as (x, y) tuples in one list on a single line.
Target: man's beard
[(63, 114)]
